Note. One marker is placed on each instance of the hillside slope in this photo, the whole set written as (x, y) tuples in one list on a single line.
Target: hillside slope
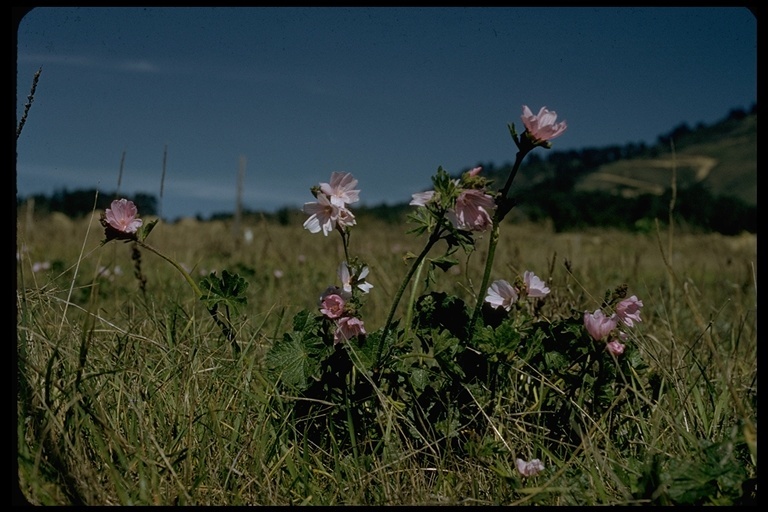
[(723, 157)]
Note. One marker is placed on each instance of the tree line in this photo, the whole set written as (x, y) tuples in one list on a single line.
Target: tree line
[(80, 202), (546, 191)]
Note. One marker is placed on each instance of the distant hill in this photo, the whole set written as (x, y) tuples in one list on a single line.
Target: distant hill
[(714, 169), (722, 157)]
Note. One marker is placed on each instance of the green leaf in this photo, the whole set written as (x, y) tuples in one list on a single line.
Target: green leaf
[(555, 360), (502, 342), (144, 231), (438, 309), (419, 380), (296, 358), (423, 219), (228, 291), (444, 262), (714, 477), (303, 321)]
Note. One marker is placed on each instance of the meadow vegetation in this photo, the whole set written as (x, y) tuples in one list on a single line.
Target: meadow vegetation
[(128, 393), (468, 361)]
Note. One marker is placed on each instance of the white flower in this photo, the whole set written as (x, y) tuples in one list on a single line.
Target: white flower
[(348, 279), (322, 215), (534, 285), (501, 294), (421, 198)]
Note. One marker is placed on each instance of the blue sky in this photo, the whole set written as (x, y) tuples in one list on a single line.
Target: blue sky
[(387, 94)]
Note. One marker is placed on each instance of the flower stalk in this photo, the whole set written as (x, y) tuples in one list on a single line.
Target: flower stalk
[(226, 329), (433, 239), (121, 222), (503, 206), (539, 130), (178, 267)]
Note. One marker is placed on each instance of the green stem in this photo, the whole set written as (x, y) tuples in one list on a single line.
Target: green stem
[(224, 326), (344, 241), (503, 206), (186, 275), (433, 238), (486, 277), (505, 191), (412, 300)]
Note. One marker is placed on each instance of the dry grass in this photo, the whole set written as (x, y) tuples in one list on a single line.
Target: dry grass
[(133, 398)]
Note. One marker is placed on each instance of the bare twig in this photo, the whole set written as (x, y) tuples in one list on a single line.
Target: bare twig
[(162, 180), (28, 105)]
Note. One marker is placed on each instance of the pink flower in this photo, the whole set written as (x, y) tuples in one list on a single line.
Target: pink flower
[(474, 171), (331, 290), (332, 305), (535, 287), (541, 127), (598, 325), (628, 310), (501, 294), (322, 215), (615, 347), (122, 215), (347, 328), (340, 189), (531, 468), (472, 211), (421, 198)]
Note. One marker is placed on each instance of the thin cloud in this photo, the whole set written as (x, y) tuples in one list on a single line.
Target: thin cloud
[(82, 61), (141, 66)]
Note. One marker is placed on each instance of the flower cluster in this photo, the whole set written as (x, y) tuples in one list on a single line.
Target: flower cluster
[(336, 303), (330, 210), (603, 327), (471, 209), (440, 332), (501, 294)]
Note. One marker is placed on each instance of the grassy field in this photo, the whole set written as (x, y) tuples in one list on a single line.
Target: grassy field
[(128, 393)]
